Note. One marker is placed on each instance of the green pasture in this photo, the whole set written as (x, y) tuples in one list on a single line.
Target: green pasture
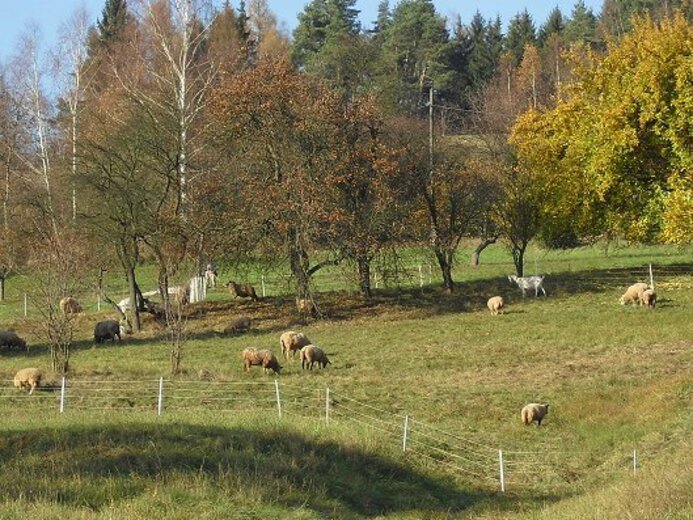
[(618, 378)]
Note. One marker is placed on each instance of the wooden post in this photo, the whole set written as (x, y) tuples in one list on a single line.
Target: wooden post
[(279, 402), (262, 282), (98, 302), (420, 277), (651, 278), (502, 471), (26, 305), (160, 403), (406, 431), (635, 461)]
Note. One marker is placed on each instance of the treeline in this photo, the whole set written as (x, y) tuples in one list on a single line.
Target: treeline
[(184, 132)]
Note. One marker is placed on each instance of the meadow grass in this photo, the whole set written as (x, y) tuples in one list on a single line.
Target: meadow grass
[(618, 379)]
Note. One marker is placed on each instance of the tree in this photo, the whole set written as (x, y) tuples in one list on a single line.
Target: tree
[(521, 32), (582, 25), (554, 25), (615, 153)]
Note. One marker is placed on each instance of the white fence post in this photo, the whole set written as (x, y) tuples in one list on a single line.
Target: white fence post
[(502, 471), (62, 395), (635, 461), (327, 405), (406, 431), (160, 403), (279, 402), (262, 282), (98, 302), (420, 277), (651, 277), (375, 279), (26, 305)]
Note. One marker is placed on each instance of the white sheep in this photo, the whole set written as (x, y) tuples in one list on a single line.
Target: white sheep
[(529, 282), (649, 298), (634, 293), (264, 358), (69, 305), (291, 341), (534, 412), (310, 354), (495, 304), (29, 378)]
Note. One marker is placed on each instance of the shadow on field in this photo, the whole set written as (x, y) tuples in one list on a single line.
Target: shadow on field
[(96, 466)]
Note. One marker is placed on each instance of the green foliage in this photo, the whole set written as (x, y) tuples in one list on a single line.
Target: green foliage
[(582, 25), (521, 32)]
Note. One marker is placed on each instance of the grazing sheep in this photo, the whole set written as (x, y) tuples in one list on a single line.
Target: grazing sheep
[(242, 290), (634, 293), (69, 305), (181, 295), (310, 354), (9, 339), (534, 412), (264, 358), (529, 282), (648, 298), (305, 306), (29, 378), (291, 341), (238, 324), (107, 329), (495, 304), (211, 276)]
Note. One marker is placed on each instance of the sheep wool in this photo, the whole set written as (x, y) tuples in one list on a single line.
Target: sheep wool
[(264, 358), (291, 341), (534, 412), (28, 378), (310, 354), (495, 304), (634, 293)]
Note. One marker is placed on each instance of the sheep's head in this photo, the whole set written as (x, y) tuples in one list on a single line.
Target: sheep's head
[(512, 278), (622, 300)]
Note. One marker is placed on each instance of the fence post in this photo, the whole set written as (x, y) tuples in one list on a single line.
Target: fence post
[(160, 403), (98, 302), (406, 431), (26, 304), (279, 402), (651, 277), (375, 279), (635, 461), (262, 282), (62, 395), (430, 274), (420, 277), (327, 405), (502, 472)]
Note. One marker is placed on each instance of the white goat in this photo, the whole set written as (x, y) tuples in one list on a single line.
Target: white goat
[(529, 282)]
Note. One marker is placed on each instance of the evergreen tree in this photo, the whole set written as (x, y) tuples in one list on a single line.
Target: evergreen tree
[(383, 18), (114, 17), (554, 25), (582, 26), (521, 32)]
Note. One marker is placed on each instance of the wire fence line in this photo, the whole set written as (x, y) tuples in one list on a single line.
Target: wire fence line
[(461, 456)]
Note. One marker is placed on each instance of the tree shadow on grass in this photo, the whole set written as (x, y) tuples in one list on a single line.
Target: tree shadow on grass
[(98, 466)]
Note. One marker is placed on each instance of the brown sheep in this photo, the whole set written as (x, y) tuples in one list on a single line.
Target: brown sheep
[(310, 354), (534, 412), (649, 298), (633, 293), (291, 341), (29, 378), (242, 290), (495, 304), (263, 358), (238, 324), (69, 305), (305, 306)]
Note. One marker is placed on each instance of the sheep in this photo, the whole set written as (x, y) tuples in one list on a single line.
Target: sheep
[(69, 305), (264, 358), (305, 306), (29, 378), (634, 293), (291, 341), (238, 324), (310, 354), (210, 276), (181, 295), (534, 412), (107, 329), (9, 339), (529, 282), (648, 298), (495, 304), (242, 290)]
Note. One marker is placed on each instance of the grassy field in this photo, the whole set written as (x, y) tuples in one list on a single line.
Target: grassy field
[(618, 379)]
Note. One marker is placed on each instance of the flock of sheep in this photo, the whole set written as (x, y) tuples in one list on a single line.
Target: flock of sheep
[(291, 341)]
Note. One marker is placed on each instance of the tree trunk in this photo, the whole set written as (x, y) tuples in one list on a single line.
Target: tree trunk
[(519, 259), (298, 260), (445, 263), (364, 275), (479, 248), (2, 288), (134, 303)]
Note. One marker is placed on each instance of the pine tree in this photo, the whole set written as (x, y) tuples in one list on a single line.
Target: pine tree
[(521, 32), (114, 17), (582, 26), (554, 25)]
